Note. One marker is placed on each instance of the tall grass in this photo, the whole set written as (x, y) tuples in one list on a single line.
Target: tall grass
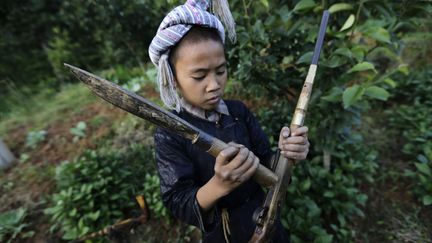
[(22, 107)]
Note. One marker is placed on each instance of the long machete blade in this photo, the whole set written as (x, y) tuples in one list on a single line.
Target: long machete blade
[(134, 103), (145, 109)]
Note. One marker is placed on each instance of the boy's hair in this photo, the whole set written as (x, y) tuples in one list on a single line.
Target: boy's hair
[(195, 35)]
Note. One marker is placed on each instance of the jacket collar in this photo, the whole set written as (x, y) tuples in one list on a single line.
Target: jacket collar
[(209, 115)]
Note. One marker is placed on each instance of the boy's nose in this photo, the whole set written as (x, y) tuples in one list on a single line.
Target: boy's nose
[(214, 84)]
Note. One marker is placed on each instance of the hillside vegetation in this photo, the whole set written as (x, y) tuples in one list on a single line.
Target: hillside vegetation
[(81, 162)]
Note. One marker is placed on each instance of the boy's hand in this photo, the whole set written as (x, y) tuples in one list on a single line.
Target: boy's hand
[(295, 146), (234, 165)]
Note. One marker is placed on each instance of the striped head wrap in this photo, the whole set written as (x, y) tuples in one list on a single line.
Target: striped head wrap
[(174, 27)]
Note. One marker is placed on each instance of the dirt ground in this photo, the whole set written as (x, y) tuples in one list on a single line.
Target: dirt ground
[(32, 180), (29, 183)]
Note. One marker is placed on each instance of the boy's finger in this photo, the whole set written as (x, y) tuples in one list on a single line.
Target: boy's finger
[(248, 174), (234, 144), (239, 171), (226, 155), (284, 133), (294, 140), (294, 155), (295, 148), (300, 131), (239, 159)]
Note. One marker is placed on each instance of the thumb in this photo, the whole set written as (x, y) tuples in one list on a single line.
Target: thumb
[(285, 133)]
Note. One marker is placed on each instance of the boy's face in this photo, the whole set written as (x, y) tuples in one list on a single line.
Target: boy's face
[(201, 73)]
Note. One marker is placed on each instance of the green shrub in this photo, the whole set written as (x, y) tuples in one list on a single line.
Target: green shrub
[(12, 225), (423, 178), (153, 196), (324, 202), (360, 56), (412, 122), (99, 188)]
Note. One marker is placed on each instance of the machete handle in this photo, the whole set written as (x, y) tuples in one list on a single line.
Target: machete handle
[(263, 176)]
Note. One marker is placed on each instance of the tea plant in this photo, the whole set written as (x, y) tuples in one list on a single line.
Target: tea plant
[(359, 58), (153, 196), (413, 122), (12, 225), (98, 189)]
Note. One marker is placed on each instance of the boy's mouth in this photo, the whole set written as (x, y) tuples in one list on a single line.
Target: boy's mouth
[(213, 100)]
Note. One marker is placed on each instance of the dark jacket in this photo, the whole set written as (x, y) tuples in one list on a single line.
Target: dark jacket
[(183, 168)]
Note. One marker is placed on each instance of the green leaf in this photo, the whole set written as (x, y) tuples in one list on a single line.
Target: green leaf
[(351, 95), (287, 59), (422, 158), (403, 69), (348, 23), (335, 61), (358, 52), (73, 212), (305, 185), (81, 125), (390, 82), (378, 33), (94, 216), (340, 7), (265, 3), (363, 66), (335, 95), (377, 93), (427, 200), (343, 51), (306, 58), (71, 234), (28, 234), (423, 168), (304, 5), (284, 14), (362, 198)]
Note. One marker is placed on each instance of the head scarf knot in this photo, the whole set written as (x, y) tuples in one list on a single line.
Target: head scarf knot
[(173, 28)]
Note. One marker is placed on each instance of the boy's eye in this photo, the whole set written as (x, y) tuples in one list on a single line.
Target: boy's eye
[(199, 78), (222, 72)]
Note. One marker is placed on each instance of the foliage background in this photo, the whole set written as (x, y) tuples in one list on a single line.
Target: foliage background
[(368, 176)]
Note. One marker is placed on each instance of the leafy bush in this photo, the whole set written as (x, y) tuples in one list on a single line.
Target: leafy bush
[(324, 202), (98, 189), (423, 177), (360, 56), (12, 225), (153, 196), (412, 121)]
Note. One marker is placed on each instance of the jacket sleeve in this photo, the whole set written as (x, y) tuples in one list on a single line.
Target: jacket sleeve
[(259, 140), (177, 180)]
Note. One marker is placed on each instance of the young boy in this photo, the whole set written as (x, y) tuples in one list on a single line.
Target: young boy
[(216, 195)]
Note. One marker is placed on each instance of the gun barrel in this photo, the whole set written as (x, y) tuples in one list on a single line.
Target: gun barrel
[(267, 214)]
